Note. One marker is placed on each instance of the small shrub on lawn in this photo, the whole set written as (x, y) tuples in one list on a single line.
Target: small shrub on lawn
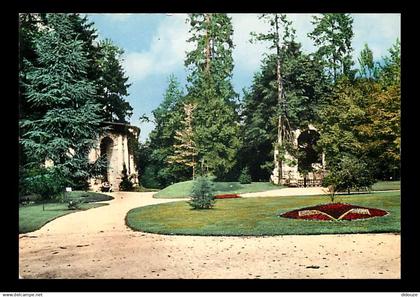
[(245, 177), (74, 204), (202, 194)]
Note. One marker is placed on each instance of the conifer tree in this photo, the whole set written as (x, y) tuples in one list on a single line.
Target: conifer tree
[(332, 36), (278, 22), (210, 66), (185, 151), (67, 122)]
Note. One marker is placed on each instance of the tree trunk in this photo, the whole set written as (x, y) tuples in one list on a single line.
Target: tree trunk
[(208, 46), (280, 131)]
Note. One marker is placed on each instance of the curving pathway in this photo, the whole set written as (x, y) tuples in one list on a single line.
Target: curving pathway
[(97, 244)]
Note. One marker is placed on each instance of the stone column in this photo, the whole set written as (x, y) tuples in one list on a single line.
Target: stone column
[(125, 154)]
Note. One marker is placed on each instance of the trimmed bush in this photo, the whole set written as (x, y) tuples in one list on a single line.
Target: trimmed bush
[(202, 194)]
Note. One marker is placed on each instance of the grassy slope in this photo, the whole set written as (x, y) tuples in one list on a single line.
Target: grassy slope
[(183, 189), (386, 185), (88, 196), (258, 216)]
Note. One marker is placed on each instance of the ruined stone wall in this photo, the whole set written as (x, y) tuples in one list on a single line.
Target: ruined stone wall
[(290, 172), (118, 154)]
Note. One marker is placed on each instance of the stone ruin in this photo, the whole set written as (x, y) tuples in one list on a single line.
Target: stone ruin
[(114, 144), (290, 175)]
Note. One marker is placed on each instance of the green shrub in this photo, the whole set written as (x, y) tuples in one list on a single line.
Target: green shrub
[(202, 194), (350, 173), (45, 182), (245, 177), (74, 203), (126, 184)]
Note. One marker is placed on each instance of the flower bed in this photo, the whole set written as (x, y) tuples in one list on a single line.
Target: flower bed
[(333, 212), (226, 196)]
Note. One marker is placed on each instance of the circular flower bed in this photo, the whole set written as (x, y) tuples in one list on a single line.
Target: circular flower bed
[(334, 212), (227, 196)]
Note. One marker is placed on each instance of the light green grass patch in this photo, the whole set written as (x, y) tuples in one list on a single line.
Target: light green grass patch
[(259, 216), (386, 185), (183, 189)]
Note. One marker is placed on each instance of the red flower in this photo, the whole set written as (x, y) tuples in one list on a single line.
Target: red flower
[(331, 211), (224, 196)]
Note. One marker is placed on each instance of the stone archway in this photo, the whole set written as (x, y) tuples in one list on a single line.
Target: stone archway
[(289, 173), (113, 144)]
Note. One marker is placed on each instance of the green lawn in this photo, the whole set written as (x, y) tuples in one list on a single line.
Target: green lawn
[(258, 216), (386, 185), (32, 217), (183, 189), (88, 196)]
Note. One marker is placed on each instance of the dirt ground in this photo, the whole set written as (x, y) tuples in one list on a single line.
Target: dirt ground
[(97, 244)]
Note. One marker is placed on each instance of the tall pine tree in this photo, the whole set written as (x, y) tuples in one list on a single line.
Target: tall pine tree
[(167, 118), (210, 66), (332, 36), (56, 85)]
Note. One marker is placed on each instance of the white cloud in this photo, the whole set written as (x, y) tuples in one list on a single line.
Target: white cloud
[(166, 51)]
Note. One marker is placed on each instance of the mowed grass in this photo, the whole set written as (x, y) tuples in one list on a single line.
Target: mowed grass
[(386, 185), (32, 217), (259, 216), (183, 189)]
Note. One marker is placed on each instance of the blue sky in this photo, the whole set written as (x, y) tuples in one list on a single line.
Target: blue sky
[(155, 46)]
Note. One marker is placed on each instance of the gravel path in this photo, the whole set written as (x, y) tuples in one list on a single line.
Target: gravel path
[(97, 244)]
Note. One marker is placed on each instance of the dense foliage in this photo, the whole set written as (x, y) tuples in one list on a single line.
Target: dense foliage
[(69, 84)]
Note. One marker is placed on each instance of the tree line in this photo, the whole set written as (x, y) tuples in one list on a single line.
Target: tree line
[(70, 83), (205, 129)]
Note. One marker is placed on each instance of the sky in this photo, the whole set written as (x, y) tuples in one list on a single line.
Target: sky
[(155, 45)]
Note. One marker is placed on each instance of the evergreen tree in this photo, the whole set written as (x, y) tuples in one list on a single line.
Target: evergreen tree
[(210, 67), (332, 35), (303, 86), (202, 194), (368, 68), (67, 119), (167, 118), (276, 21), (185, 150), (112, 82), (105, 70)]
